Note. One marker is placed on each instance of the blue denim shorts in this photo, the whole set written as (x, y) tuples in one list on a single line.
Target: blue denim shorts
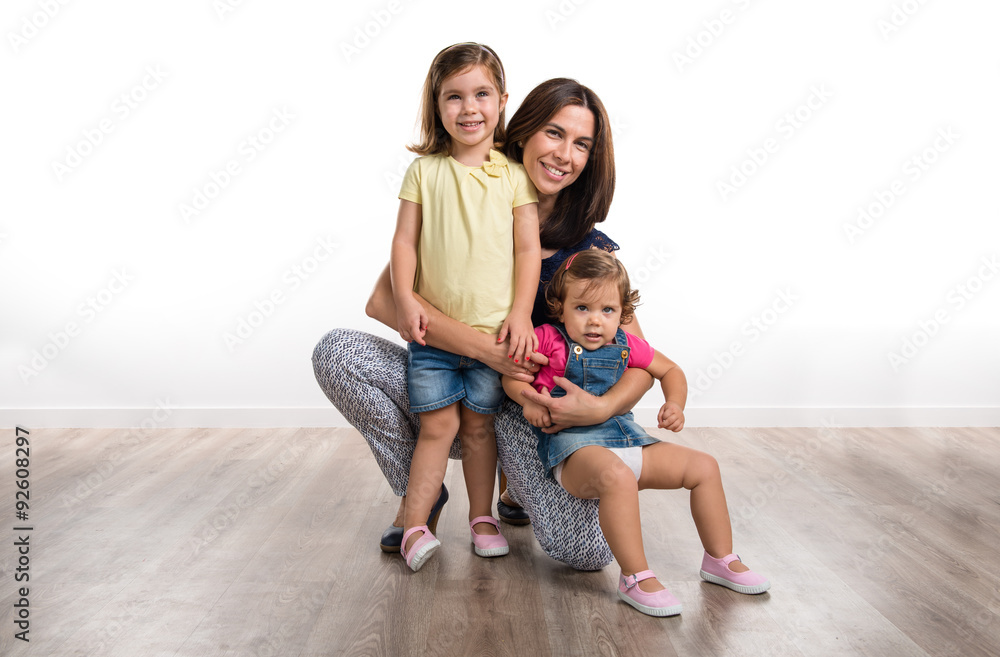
[(437, 378)]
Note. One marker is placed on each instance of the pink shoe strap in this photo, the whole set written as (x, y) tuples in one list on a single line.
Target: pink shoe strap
[(409, 532), (487, 519), (728, 559), (632, 580)]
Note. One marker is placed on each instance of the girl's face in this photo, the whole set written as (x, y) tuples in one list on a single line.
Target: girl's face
[(557, 154), (469, 106), (591, 316)]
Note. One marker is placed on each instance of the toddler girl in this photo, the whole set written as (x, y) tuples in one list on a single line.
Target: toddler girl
[(467, 242), (591, 297)]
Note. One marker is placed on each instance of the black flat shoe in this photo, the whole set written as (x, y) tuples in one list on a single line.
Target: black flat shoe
[(392, 538), (512, 515)]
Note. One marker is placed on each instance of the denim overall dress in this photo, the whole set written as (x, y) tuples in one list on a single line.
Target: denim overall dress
[(594, 371)]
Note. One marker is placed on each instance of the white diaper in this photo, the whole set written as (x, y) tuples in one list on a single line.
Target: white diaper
[(631, 456)]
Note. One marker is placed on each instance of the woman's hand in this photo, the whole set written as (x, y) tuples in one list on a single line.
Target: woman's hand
[(523, 340), (494, 356), (578, 408)]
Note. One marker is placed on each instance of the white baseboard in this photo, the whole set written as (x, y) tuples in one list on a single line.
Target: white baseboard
[(166, 416)]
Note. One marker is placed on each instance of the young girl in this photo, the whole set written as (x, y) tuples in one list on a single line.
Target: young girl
[(467, 242), (591, 297)]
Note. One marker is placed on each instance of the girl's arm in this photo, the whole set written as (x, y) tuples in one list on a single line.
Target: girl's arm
[(446, 333), (527, 269), (411, 318), (674, 385)]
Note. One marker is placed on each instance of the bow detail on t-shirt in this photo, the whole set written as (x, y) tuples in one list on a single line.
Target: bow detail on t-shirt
[(492, 168)]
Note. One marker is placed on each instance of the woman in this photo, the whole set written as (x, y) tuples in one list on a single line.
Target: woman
[(561, 134)]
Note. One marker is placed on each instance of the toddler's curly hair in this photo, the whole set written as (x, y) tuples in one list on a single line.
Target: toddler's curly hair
[(599, 268)]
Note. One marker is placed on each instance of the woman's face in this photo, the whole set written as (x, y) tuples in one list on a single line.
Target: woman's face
[(556, 155)]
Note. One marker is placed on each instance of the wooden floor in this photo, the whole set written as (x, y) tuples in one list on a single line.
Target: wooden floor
[(264, 542)]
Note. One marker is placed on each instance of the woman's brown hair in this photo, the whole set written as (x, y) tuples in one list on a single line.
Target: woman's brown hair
[(586, 202), (434, 139), (598, 268)]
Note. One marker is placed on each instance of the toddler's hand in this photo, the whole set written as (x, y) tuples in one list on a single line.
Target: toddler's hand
[(670, 417), (537, 415)]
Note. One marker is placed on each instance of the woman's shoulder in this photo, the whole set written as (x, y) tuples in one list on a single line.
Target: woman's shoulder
[(596, 239)]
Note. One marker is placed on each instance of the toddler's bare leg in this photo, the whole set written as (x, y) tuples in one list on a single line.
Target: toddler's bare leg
[(670, 466), (594, 471)]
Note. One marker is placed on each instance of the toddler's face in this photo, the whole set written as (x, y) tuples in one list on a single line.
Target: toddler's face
[(591, 316)]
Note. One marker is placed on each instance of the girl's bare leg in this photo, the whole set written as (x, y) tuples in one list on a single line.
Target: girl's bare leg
[(479, 464), (428, 467), (594, 471), (670, 466)]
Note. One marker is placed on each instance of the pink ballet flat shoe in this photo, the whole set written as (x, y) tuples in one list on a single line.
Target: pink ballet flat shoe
[(661, 603), (717, 571), (422, 550), (488, 545)]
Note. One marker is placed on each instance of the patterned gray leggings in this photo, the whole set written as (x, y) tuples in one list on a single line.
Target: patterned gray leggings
[(364, 376)]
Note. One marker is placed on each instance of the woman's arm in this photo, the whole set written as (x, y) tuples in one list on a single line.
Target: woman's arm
[(446, 333), (579, 408)]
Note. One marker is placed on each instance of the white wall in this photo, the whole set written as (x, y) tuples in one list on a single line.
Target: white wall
[(308, 216)]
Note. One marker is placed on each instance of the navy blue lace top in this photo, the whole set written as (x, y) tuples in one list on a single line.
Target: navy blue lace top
[(594, 239)]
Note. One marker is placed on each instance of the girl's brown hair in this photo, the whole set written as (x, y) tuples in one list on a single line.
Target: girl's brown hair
[(434, 139), (586, 202), (598, 268)]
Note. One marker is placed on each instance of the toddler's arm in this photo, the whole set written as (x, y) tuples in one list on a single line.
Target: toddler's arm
[(674, 385), (527, 269), (536, 414), (411, 318)]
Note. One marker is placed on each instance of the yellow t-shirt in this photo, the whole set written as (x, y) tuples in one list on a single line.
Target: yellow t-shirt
[(465, 258)]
